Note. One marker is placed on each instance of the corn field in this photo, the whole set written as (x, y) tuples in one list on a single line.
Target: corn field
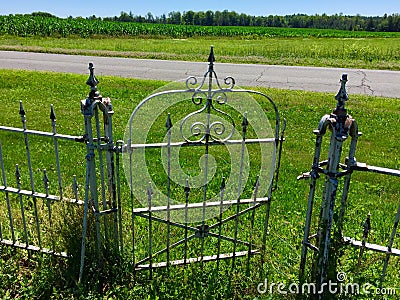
[(28, 25)]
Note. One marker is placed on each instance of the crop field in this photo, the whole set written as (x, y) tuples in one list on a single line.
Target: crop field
[(44, 26), (23, 276), (266, 45)]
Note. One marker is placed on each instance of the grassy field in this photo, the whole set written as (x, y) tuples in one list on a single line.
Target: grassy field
[(236, 44), (378, 118), (362, 52)]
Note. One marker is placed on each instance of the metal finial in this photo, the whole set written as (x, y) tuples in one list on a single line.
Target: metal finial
[(17, 174), (342, 96), (257, 183), (92, 81), (245, 123), (21, 109), (187, 188), (45, 177), (223, 184), (75, 187), (52, 114), (46, 181), (149, 195), (367, 224), (168, 124), (211, 58)]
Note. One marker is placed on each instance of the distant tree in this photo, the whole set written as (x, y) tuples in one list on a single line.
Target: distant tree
[(149, 18), (226, 19), (174, 17), (209, 18), (199, 18), (188, 17), (42, 14), (124, 17), (231, 18), (217, 21), (244, 20), (396, 22), (93, 17)]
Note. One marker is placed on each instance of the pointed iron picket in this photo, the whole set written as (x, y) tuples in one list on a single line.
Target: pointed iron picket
[(10, 215), (56, 152), (28, 157)]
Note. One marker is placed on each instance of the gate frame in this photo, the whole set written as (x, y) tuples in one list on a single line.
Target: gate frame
[(203, 230)]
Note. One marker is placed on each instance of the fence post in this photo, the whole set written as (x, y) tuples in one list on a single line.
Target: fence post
[(99, 142), (342, 126), (340, 123)]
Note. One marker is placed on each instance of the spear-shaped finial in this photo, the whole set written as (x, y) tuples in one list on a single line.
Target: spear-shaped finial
[(92, 82), (46, 181), (342, 96), (22, 114), (52, 113), (223, 184), (211, 59), (187, 190), (245, 123), (17, 175), (21, 108), (168, 123)]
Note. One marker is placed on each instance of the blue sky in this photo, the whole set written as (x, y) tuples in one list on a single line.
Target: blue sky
[(104, 8)]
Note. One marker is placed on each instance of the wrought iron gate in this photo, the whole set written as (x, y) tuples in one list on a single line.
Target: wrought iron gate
[(198, 215), (25, 220), (201, 214)]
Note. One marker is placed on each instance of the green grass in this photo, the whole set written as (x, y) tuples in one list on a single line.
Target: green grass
[(363, 52), (267, 45), (45, 277)]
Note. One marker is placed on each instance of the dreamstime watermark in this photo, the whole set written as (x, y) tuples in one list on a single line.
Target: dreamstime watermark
[(331, 287)]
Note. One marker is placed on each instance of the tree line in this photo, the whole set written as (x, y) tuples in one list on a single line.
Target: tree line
[(385, 23), (231, 18)]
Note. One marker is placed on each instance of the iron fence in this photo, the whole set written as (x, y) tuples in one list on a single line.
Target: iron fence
[(201, 160), (25, 220)]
